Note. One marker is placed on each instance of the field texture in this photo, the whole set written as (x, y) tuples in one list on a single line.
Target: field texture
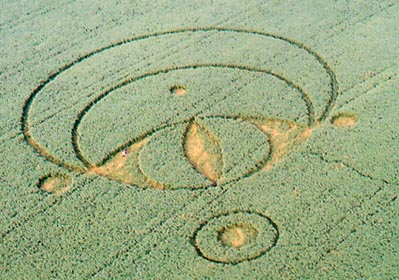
[(199, 139)]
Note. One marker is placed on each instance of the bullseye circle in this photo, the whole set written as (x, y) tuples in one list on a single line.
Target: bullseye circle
[(236, 237)]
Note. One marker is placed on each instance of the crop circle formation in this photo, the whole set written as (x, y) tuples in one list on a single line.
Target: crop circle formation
[(190, 108), (156, 102), (236, 237)]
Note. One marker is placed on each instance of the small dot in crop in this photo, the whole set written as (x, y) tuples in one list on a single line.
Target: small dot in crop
[(178, 90)]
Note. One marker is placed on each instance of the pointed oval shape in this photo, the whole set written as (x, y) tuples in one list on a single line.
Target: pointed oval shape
[(164, 163), (244, 147), (203, 151)]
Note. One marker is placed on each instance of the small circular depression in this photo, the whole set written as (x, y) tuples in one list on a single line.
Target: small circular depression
[(56, 183), (344, 120), (235, 237), (178, 90), (238, 235)]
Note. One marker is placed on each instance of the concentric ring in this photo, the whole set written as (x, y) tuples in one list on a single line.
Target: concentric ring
[(235, 237)]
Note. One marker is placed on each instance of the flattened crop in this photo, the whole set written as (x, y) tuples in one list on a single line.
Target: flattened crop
[(204, 151)]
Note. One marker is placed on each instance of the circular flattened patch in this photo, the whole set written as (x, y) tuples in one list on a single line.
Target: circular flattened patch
[(344, 119), (236, 237), (56, 184), (178, 90)]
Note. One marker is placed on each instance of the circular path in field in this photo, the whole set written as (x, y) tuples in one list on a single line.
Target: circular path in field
[(132, 81), (235, 237)]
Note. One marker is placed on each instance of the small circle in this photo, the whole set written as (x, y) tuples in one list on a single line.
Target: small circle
[(55, 183), (178, 90), (344, 119), (236, 237)]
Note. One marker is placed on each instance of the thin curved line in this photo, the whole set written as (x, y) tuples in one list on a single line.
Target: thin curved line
[(248, 173), (260, 163), (81, 115), (25, 129)]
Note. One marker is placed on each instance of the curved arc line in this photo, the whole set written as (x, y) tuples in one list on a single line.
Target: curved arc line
[(197, 120), (260, 163), (81, 115), (25, 129), (153, 131), (148, 135)]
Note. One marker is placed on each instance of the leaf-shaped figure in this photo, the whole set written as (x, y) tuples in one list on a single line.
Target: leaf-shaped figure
[(57, 184), (245, 148), (164, 163), (203, 151), (284, 136)]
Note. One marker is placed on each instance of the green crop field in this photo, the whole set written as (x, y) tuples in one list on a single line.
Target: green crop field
[(199, 139)]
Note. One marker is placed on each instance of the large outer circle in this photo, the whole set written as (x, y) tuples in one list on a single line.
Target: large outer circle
[(38, 147)]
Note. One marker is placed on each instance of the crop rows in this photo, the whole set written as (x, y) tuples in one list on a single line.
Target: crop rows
[(216, 132), (102, 57), (155, 128)]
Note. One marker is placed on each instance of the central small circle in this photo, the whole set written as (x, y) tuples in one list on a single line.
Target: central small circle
[(238, 235), (235, 237)]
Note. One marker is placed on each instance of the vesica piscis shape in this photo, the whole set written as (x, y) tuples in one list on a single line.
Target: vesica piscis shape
[(195, 102)]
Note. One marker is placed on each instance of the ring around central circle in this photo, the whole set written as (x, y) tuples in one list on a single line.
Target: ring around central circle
[(236, 237)]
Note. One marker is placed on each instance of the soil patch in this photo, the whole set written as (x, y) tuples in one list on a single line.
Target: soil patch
[(283, 137), (344, 120), (204, 152)]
